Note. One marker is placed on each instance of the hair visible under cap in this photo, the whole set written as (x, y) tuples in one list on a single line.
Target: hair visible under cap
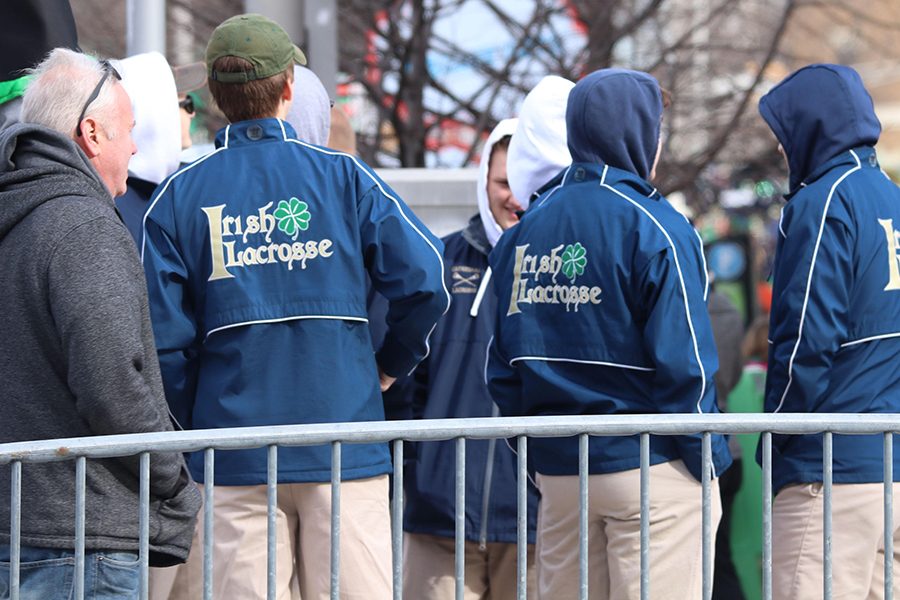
[(61, 84), (256, 99)]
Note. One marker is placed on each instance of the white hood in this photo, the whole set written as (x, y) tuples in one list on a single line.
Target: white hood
[(310, 112), (157, 120), (491, 228), (538, 150)]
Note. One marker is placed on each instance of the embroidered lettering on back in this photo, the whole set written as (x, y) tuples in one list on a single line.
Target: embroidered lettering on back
[(893, 247), (232, 243), (530, 273)]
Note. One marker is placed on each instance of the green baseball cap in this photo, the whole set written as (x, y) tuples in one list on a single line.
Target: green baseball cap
[(256, 39)]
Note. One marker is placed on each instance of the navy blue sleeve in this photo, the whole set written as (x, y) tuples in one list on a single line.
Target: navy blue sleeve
[(171, 311), (503, 381), (405, 263), (678, 336), (810, 300)]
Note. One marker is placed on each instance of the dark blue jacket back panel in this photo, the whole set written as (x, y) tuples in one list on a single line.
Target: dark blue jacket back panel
[(835, 322), (601, 296), (450, 384), (256, 259), (602, 291)]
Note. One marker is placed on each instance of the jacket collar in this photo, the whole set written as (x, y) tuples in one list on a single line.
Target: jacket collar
[(863, 156), (474, 234), (611, 176), (255, 131)]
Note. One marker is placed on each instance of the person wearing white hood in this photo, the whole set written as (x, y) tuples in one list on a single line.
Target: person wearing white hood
[(162, 116), (450, 383), (310, 112), (539, 150)]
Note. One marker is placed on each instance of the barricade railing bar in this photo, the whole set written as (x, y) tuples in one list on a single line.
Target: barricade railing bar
[(397, 432)]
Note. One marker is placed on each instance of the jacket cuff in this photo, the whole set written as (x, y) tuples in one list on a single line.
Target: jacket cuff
[(394, 358)]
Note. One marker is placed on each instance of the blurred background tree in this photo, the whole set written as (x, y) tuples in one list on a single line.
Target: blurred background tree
[(424, 81)]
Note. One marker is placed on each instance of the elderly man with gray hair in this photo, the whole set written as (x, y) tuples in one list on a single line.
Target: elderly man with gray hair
[(77, 356)]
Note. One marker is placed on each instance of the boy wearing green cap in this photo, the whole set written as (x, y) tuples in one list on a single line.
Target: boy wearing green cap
[(257, 257)]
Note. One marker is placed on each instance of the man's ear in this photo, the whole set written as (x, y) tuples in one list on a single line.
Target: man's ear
[(88, 141), (287, 94)]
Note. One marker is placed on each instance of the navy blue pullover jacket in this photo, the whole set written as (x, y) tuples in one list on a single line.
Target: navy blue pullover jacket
[(835, 321), (256, 259), (450, 383), (602, 291)]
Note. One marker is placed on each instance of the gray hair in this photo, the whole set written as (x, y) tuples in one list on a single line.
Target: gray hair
[(60, 86)]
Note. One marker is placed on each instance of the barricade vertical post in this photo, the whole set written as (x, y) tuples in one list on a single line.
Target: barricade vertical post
[(80, 472), (209, 482), (888, 516), (827, 463), (645, 516), (15, 528), (144, 525), (521, 519), (271, 531), (767, 515), (335, 520), (707, 546), (460, 551), (397, 520), (583, 504)]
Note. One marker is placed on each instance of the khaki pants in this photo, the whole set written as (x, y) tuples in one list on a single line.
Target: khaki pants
[(430, 568), (614, 516), (303, 564), (857, 558)]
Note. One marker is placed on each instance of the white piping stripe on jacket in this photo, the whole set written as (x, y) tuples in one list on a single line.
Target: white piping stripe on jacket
[(403, 214), (476, 304), (780, 217), (871, 339), (687, 308), (551, 192), (703, 259), (487, 357), (282, 320), (165, 187), (812, 267), (581, 362)]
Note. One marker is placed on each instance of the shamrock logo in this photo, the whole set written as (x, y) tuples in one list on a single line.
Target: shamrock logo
[(293, 216), (574, 259)]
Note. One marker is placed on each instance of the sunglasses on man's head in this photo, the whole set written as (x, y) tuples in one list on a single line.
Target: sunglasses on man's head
[(188, 104), (107, 70)]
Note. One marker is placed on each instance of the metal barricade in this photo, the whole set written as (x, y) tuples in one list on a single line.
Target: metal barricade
[(396, 432)]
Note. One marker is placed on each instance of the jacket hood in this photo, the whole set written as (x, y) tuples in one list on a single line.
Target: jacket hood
[(310, 112), (491, 229), (817, 113), (538, 150), (613, 118), (150, 84), (38, 164)]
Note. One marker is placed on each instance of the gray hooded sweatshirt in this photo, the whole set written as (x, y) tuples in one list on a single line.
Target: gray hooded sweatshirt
[(77, 357)]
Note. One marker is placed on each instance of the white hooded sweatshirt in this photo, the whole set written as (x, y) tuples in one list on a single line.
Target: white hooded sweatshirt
[(157, 119), (539, 150), (310, 112), (491, 228)]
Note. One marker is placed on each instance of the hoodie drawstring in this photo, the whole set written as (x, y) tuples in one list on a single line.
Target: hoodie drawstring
[(473, 312)]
